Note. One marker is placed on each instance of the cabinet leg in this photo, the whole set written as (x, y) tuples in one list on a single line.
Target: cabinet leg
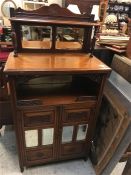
[(0, 130), (22, 169), (0, 126), (85, 158)]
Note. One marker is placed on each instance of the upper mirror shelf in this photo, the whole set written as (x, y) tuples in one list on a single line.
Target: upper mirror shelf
[(52, 29)]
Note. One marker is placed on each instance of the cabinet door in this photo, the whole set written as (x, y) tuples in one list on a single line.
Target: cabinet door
[(74, 131), (39, 133)]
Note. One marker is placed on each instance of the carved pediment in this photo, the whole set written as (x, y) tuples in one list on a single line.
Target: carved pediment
[(54, 10)]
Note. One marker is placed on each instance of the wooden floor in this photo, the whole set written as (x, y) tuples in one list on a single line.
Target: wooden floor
[(9, 161)]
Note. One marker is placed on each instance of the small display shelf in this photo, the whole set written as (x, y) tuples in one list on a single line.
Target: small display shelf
[(66, 88), (123, 9)]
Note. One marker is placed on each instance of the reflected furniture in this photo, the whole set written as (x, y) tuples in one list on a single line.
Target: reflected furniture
[(56, 87)]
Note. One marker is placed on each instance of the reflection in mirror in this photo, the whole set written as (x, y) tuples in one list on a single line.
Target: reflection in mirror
[(47, 136), (38, 37), (67, 134), (31, 138), (69, 38), (5, 7), (82, 130)]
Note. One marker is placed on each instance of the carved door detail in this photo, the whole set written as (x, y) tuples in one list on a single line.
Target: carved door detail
[(39, 135), (74, 129)]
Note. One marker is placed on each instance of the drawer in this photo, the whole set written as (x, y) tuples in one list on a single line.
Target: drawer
[(38, 118), (85, 105), (72, 149), (46, 153), (76, 115)]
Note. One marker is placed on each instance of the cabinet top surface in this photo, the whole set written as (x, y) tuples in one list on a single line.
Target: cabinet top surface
[(30, 63)]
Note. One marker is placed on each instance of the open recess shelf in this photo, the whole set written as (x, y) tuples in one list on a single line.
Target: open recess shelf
[(53, 90)]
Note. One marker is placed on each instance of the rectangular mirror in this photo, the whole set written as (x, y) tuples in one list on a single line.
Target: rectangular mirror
[(31, 138), (47, 136), (67, 134), (36, 37), (82, 131), (69, 38)]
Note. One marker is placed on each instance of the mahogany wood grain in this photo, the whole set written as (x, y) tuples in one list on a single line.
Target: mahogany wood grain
[(27, 63), (52, 21), (52, 10)]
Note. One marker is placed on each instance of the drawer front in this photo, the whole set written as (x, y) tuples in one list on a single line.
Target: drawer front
[(76, 115), (38, 118), (85, 105), (72, 149), (46, 153)]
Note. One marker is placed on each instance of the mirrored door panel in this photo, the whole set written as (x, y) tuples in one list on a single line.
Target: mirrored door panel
[(67, 134), (37, 37), (31, 138), (47, 136), (82, 131)]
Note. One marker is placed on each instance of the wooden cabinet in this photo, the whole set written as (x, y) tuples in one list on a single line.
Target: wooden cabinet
[(55, 121), (55, 133), (55, 92)]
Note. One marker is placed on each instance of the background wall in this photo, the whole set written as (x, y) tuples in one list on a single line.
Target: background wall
[(19, 3), (55, 1)]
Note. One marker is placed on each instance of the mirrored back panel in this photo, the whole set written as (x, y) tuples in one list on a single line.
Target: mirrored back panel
[(49, 38), (41, 37), (69, 38), (36, 37)]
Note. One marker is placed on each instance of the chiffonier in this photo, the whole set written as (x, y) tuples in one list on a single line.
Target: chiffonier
[(56, 84)]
